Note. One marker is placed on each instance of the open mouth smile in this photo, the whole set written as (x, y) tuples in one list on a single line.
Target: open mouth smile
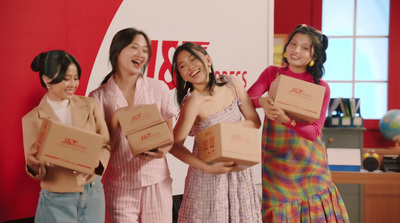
[(194, 73), (137, 62)]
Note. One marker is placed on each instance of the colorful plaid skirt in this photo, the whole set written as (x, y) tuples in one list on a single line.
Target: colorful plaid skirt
[(297, 183)]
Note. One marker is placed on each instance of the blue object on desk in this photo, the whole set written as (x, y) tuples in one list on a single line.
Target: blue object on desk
[(344, 168), (348, 159)]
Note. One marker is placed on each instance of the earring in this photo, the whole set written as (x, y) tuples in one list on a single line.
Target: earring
[(284, 54), (311, 63), (48, 86), (184, 85), (209, 68)]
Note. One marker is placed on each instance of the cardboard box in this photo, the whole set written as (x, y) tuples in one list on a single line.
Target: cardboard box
[(230, 142), (144, 128), (300, 99), (68, 146), (150, 138), (346, 159), (139, 118)]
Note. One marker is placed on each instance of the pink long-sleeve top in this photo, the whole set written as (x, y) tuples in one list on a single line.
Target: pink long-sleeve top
[(262, 85)]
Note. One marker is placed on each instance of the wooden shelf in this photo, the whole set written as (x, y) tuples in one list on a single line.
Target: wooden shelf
[(366, 178), (369, 177)]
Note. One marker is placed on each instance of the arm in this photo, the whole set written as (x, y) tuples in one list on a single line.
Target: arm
[(262, 84), (168, 112), (97, 96), (272, 112), (189, 112), (104, 156), (114, 122), (251, 117), (161, 152), (102, 129), (34, 167), (168, 108)]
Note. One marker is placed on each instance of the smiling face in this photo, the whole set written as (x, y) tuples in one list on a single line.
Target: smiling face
[(193, 69), (299, 52), (134, 56), (67, 87)]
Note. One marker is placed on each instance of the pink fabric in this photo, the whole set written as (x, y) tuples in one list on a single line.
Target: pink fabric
[(151, 204), (124, 170), (219, 198), (136, 190), (310, 132)]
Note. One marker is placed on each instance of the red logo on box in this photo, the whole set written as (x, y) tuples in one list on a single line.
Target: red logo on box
[(237, 136), (296, 90), (212, 143), (69, 141), (146, 136), (205, 144), (135, 117)]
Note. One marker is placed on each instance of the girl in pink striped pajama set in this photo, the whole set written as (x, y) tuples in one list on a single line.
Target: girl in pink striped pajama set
[(137, 188)]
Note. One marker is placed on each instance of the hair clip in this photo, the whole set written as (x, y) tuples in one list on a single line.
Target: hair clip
[(321, 35)]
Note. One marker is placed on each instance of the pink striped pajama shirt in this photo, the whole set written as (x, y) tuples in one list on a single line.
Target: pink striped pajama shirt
[(136, 190)]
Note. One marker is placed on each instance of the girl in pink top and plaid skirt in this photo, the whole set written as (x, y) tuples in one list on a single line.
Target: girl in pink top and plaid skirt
[(297, 183)]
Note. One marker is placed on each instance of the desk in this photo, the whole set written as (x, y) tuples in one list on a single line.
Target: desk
[(381, 191), (381, 194), (392, 179), (369, 197), (351, 193)]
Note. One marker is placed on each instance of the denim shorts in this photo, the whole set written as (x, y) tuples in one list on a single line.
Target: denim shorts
[(87, 206)]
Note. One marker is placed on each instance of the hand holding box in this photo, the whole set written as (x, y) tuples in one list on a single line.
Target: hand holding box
[(301, 100), (229, 142), (144, 128), (68, 146)]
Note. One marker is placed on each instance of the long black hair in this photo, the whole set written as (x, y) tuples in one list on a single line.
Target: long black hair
[(120, 40), (54, 65), (181, 86), (319, 42)]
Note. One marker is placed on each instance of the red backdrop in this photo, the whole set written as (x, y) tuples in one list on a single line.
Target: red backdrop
[(28, 28)]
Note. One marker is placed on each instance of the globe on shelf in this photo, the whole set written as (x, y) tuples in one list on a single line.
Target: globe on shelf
[(389, 126)]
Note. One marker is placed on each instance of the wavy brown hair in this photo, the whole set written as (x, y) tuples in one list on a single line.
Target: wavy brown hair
[(181, 87), (319, 42)]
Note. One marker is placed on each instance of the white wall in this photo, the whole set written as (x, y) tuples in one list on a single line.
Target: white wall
[(238, 37)]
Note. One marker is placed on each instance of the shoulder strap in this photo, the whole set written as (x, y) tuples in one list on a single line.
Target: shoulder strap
[(231, 82)]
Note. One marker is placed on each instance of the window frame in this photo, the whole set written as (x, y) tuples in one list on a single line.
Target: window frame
[(354, 39)]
